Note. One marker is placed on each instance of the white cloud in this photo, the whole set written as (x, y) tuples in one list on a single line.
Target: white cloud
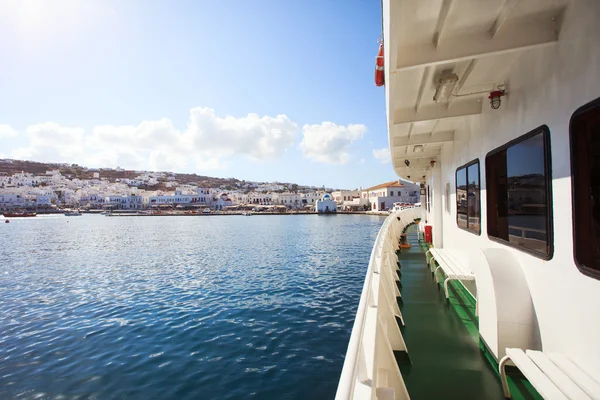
[(330, 143), (362, 160), (210, 164), (257, 137), (50, 142), (158, 145), (7, 132), (383, 155)]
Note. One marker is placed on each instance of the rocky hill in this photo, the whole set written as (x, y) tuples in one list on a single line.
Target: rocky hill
[(10, 167)]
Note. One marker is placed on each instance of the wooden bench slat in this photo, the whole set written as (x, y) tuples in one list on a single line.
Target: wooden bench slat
[(536, 377), (558, 377), (583, 380)]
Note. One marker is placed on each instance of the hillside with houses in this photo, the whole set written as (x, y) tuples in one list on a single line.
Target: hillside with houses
[(40, 186)]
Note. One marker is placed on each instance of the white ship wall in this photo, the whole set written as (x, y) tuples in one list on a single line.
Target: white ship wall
[(545, 86)]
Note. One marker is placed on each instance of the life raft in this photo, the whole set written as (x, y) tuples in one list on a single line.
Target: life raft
[(379, 72)]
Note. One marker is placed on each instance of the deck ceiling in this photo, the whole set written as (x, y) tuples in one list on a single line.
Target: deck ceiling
[(478, 40)]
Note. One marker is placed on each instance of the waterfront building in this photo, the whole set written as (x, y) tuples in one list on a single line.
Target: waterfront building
[(289, 200), (10, 200), (382, 197), (128, 202), (199, 197), (310, 198), (222, 201), (345, 195), (326, 205)]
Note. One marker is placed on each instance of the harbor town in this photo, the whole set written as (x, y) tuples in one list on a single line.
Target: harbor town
[(160, 193)]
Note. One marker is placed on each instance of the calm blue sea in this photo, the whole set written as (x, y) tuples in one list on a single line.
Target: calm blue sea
[(179, 307)]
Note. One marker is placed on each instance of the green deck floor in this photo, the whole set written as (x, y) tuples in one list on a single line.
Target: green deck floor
[(445, 360)]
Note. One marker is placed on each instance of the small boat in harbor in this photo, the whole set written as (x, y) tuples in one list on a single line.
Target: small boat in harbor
[(19, 214), (72, 213)]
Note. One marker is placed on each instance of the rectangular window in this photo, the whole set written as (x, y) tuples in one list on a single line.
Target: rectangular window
[(392, 193), (584, 133), (519, 195), (468, 205)]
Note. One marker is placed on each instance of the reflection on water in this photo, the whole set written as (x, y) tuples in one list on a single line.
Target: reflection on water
[(179, 307)]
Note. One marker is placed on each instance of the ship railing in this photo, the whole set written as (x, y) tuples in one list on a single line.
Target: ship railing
[(370, 369)]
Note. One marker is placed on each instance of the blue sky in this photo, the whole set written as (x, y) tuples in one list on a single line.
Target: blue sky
[(258, 90)]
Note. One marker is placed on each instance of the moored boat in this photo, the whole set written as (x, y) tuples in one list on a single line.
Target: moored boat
[(72, 213), (19, 214)]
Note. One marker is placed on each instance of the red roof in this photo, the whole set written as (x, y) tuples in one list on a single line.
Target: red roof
[(392, 184)]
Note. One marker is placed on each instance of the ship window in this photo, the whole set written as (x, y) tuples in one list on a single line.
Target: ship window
[(519, 194), (468, 209), (585, 171)]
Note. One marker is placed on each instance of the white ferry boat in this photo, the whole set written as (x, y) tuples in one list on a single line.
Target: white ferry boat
[(494, 107)]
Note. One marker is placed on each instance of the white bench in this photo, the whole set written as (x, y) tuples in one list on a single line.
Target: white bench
[(554, 376), (450, 264)]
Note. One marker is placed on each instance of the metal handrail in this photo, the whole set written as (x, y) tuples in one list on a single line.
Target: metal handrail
[(350, 369)]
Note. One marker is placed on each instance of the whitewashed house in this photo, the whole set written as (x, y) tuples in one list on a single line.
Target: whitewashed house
[(290, 200), (310, 198), (125, 202), (382, 197), (326, 205), (222, 201)]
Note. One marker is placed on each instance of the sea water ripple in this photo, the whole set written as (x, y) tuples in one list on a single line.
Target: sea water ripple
[(179, 307)]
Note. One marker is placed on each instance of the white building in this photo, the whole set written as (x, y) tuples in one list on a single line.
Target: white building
[(382, 197), (252, 198), (326, 205), (310, 198), (128, 202), (222, 201), (290, 200), (202, 197), (10, 200)]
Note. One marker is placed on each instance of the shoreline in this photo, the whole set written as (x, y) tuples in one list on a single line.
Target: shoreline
[(242, 215), (217, 214)]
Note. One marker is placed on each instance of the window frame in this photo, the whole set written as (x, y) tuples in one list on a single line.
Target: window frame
[(466, 167), (545, 131), (587, 271)]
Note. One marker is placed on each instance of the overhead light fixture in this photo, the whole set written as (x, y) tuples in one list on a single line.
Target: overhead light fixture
[(418, 148), (432, 163), (407, 163), (496, 98), (445, 86)]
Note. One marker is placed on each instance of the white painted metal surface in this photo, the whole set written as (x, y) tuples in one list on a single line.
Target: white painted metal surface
[(370, 370), (546, 54), (450, 264), (536, 377), (546, 375)]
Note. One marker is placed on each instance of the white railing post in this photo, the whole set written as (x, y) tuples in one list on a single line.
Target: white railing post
[(370, 366)]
